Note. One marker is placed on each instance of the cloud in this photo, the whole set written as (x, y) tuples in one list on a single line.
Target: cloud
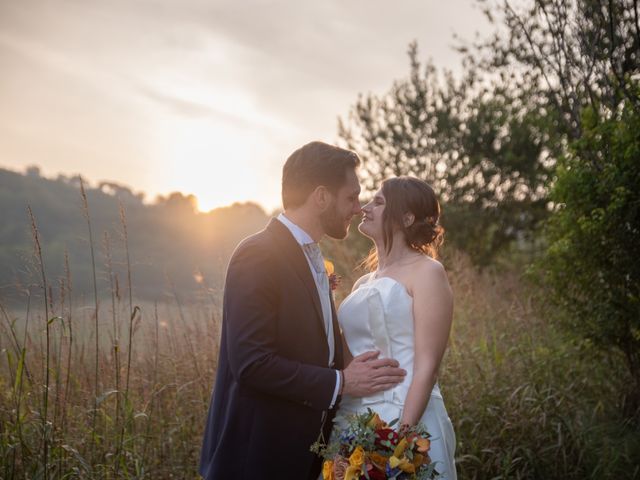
[(186, 107), (275, 73)]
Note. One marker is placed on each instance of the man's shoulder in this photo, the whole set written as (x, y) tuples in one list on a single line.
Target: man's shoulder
[(259, 244), (254, 240), (259, 240)]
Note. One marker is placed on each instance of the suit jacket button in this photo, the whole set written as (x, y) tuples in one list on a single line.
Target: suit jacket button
[(306, 404)]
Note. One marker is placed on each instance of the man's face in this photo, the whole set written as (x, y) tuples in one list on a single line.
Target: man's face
[(344, 205)]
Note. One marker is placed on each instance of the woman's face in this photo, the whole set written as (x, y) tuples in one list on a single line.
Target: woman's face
[(371, 225)]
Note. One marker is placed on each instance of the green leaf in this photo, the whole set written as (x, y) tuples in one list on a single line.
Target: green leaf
[(19, 371), (53, 319)]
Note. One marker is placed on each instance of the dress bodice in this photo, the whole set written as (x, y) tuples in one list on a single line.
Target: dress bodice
[(378, 315)]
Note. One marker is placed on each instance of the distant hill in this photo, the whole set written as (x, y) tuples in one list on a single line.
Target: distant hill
[(171, 244)]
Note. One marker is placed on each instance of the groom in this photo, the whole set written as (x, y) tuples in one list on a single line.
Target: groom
[(280, 371)]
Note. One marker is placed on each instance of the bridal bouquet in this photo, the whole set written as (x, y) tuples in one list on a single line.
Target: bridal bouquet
[(368, 448)]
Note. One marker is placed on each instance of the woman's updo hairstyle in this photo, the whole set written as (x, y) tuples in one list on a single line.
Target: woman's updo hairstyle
[(411, 196)]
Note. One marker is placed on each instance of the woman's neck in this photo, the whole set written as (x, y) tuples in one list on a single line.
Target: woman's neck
[(399, 252)]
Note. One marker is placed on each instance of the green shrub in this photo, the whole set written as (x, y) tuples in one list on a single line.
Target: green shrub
[(592, 265)]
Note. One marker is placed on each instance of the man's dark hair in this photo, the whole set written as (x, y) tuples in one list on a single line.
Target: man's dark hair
[(312, 165)]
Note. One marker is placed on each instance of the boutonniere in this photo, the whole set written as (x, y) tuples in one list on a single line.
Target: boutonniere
[(334, 279)]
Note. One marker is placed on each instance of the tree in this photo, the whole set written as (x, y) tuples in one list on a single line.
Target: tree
[(549, 105), (585, 56), (480, 143), (580, 53), (593, 261)]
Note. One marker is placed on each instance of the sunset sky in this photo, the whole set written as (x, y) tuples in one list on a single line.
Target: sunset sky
[(200, 96)]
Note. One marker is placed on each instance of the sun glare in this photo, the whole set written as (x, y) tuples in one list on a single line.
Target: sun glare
[(216, 144), (215, 161)]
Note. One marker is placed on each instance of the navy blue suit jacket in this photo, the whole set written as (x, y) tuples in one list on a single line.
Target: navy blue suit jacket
[(273, 385)]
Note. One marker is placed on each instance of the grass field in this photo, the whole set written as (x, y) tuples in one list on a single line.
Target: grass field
[(527, 402)]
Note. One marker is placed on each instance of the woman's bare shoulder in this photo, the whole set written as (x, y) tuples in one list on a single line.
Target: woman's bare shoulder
[(361, 280), (429, 272)]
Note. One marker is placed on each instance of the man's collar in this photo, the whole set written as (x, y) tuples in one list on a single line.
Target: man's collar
[(298, 233)]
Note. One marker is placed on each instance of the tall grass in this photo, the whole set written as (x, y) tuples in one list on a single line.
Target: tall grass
[(96, 333), (44, 410), (527, 402), (148, 426)]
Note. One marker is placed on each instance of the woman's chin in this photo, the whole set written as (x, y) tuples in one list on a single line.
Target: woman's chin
[(363, 228)]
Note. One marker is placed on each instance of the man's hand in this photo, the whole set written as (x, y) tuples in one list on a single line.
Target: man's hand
[(366, 375)]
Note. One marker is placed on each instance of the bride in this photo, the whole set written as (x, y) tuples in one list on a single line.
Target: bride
[(403, 309)]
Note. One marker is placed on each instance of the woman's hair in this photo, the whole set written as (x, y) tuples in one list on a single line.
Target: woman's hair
[(409, 195)]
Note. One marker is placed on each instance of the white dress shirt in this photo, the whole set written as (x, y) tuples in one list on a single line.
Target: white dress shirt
[(303, 238)]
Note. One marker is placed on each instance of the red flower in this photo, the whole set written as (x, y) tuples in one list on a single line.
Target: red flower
[(334, 281), (375, 474), (386, 435)]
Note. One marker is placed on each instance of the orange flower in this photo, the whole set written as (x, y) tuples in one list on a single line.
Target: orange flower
[(411, 437), (376, 422), (424, 444), (357, 457), (377, 460), (353, 473), (327, 470), (419, 459)]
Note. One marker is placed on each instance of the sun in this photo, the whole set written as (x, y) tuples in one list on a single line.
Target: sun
[(221, 149), (219, 164)]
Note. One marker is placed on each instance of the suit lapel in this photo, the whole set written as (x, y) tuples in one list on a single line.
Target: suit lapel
[(338, 358), (295, 256)]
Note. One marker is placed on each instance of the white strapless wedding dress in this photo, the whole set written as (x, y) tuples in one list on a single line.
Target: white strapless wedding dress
[(378, 315)]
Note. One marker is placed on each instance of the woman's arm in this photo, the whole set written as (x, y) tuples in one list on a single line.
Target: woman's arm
[(432, 312)]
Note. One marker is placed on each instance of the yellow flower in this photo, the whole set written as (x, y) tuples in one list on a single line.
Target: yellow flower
[(400, 448), (327, 470), (357, 457), (353, 473), (376, 422), (328, 265), (403, 463)]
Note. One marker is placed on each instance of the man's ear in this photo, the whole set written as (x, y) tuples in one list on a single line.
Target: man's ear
[(408, 219), (322, 197)]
